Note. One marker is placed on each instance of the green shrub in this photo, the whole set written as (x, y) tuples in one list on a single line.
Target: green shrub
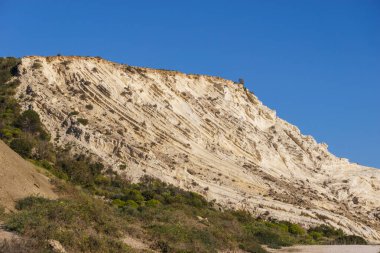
[(154, 189), (316, 235), (327, 231), (252, 247), (79, 169), (22, 146), (89, 107), (65, 63), (131, 204), (50, 167), (8, 68), (24, 131), (29, 121), (134, 195), (296, 229), (102, 180), (83, 121), (73, 113), (30, 202), (2, 212), (9, 108), (272, 239), (152, 203), (119, 203), (36, 65), (350, 240), (122, 166), (182, 238), (9, 132)]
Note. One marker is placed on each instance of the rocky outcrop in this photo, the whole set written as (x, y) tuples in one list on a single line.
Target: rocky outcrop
[(201, 133)]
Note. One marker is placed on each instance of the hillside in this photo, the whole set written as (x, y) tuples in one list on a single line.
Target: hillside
[(20, 179), (203, 134)]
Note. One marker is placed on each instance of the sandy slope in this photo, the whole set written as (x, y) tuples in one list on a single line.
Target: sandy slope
[(19, 179)]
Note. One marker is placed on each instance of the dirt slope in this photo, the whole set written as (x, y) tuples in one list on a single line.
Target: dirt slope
[(19, 179)]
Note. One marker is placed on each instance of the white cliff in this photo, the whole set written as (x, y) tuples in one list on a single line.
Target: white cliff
[(202, 133)]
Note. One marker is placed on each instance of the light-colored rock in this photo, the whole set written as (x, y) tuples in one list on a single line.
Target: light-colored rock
[(136, 243), (56, 246), (6, 235), (201, 133)]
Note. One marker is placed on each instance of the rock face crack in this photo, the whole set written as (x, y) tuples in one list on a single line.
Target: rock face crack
[(199, 132)]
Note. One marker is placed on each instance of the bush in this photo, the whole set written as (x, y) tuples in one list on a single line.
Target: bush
[(9, 132), (152, 203), (272, 239), (252, 247), (50, 167), (29, 121), (134, 195), (22, 146), (183, 238), (73, 113), (119, 203), (83, 121), (79, 169), (316, 235), (36, 65), (131, 204), (9, 108), (27, 137), (350, 240), (8, 68), (2, 212), (327, 231), (66, 63), (296, 229)]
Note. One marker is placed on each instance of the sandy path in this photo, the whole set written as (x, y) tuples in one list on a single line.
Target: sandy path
[(329, 249)]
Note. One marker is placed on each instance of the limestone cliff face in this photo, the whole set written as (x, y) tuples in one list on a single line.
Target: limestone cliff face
[(201, 133)]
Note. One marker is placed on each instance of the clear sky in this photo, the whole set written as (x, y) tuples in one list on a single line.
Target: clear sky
[(317, 63)]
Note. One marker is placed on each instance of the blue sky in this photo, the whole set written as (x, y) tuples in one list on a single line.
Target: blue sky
[(317, 63)]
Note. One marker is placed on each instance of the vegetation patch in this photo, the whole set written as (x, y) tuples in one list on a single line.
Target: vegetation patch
[(73, 113), (83, 121), (2, 212), (36, 65), (81, 223)]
